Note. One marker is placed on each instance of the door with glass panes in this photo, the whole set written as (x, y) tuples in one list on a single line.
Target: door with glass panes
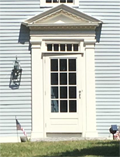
[(62, 88)]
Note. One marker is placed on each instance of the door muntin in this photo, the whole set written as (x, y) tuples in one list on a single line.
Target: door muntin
[(63, 84)]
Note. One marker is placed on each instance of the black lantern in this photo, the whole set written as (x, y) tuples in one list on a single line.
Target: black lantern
[(15, 77), (16, 72)]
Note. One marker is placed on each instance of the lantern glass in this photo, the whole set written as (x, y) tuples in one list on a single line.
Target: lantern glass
[(16, 64)]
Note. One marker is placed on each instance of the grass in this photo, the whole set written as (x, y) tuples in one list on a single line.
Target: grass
[(83, 148)]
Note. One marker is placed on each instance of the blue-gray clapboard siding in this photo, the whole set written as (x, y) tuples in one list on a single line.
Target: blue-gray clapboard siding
[(107, 62), (15, 41)]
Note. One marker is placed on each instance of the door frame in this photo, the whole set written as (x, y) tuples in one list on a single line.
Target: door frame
[(82, 31), (87, 45)]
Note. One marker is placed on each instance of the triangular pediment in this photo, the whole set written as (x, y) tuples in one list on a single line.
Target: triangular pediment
[(62, 15)]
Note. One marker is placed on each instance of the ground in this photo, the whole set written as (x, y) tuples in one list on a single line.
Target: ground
[(85, 148)]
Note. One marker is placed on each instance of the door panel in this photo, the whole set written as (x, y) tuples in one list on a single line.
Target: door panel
[(62, 101)]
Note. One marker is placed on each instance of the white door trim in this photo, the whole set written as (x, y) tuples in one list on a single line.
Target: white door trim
[(88, 94)]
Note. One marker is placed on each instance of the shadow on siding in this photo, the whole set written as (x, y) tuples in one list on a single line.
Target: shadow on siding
[(24, 35), (98, 33)]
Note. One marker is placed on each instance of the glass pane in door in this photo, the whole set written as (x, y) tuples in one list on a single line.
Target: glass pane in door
[(54, 79), (63, 105), (54, 92), (72, 105), (54, 106), (54, 65), (72, 78), (63, 92), (63, 85), (72, 64), (63, 64), (72, 92)]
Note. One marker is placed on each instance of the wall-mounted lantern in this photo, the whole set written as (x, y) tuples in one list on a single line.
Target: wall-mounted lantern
[(16, 73)]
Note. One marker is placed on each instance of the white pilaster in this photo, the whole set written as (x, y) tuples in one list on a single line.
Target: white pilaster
[(37, 91), (90, 91)]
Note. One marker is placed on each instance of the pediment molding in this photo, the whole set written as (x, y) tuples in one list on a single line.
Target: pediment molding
[(52, 19), (35, 27), (61, 12)]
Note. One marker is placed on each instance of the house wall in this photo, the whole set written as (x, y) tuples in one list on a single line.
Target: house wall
[(108, 72), (14, 40), (107, 62)]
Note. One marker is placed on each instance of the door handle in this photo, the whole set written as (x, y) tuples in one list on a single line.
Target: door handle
[(79, 94)]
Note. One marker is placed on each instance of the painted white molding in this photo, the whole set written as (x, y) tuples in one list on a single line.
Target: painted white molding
[(80, 33), (89, 42), (65, 40), (90, 92), (91, 134), (37, 94), (36, 135), (58, 13), (88, 89), (39, 21), (35, 44), (80, 52)]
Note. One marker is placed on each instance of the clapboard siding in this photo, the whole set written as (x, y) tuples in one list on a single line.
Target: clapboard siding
[(107, 62), (15, 42), (12, 43)]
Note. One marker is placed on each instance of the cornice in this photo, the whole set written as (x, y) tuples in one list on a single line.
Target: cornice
[(61, 27)]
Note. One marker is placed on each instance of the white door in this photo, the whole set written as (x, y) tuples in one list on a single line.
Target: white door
[(62, 93)]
